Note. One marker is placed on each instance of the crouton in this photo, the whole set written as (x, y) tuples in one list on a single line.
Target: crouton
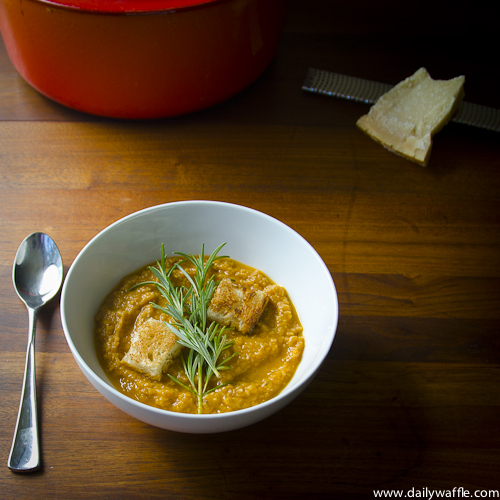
[(153, 347), (233, 306)]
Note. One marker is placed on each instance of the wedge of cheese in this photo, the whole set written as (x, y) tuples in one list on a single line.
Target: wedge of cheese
[(236, 307), (406, 117), (152, 348)]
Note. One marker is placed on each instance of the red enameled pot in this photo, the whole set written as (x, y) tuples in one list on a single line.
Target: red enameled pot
[(141, 59)]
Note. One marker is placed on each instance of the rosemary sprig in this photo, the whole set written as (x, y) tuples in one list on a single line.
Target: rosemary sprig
[(187, 307)]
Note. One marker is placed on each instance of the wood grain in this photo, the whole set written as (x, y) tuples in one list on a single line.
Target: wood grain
[(408, 396)]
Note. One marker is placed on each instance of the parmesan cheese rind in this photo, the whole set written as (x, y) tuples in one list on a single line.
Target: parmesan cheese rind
[(405, 118), (152, 348)]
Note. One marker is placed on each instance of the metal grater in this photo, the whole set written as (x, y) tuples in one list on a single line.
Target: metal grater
[(368, 91)]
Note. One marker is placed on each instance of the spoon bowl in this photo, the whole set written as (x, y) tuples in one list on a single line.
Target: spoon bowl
[(37, 275), (37, 272)]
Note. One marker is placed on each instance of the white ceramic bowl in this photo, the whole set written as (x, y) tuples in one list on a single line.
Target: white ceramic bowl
[(253, 238)]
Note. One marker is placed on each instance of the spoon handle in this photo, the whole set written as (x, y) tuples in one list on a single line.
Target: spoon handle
[(25, 453)]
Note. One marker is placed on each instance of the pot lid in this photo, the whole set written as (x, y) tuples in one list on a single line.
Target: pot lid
[(127, 6)]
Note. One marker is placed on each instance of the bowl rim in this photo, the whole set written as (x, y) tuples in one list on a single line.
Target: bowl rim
[(110, 389), (130, 7)]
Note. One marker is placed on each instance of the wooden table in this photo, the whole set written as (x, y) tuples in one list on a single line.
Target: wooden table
[(409, 396)]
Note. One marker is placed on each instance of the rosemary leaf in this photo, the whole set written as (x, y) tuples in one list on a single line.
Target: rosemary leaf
[(188, 309)]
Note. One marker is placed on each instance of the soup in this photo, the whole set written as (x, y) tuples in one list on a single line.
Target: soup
[(260, 362)]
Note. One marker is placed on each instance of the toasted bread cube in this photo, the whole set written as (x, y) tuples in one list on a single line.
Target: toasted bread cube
[(233, 306), (152, 348)]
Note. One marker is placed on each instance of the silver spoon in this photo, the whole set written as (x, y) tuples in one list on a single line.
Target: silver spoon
[(37, 277)]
